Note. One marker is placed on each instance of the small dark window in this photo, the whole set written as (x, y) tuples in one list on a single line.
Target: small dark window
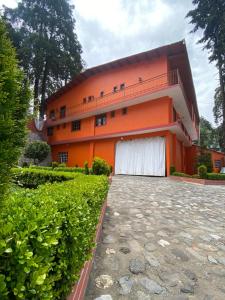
[(52, 114), (115, 89), (112, 114), (62, 112), (63, 157), (58, 126), (122, 86), (90, 98), (100, 120), (76, 125), (124, 111), (49, 131), (84, 100), (101, 93), (140, 79)]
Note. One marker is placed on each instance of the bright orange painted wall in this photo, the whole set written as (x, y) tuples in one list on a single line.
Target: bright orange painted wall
[(149, 114), (106, 80)]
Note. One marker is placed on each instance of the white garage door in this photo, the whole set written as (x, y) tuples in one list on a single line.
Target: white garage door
[(141, 157)]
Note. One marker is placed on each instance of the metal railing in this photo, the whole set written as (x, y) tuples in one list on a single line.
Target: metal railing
[(139, 89)]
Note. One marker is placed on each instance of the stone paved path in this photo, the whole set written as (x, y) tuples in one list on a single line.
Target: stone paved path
[(161, 240)]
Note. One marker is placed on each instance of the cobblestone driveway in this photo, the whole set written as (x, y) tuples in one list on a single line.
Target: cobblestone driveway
[(161, 240)]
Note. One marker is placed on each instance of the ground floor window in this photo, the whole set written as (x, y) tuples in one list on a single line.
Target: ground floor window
[(63, 157)]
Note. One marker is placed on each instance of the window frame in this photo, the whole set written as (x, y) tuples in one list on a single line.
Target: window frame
[(52, 114), (63, 157), (62, 112), (50, 131), (102, 118), (124, 111), (74, 127), (122, 86)]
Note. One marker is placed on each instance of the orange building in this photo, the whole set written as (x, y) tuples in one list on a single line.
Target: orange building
[(139, 113)]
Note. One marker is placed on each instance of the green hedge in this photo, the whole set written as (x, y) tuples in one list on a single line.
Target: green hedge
[(61, 169), (32, 178), (180, 174), (46, 236), (215, 176)]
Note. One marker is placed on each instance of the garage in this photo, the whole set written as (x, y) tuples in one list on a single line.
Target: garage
[(141, 157)]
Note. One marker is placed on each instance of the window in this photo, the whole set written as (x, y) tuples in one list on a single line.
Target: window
[(52, 114), (100, 120), (49, 131), (62, 112), (112, 114), (140, 79), (63, 157), (217, 163), (84, 100), (90, 98), (124, 111), (101, 93), (75, 125), (115, 89), (122, 86)]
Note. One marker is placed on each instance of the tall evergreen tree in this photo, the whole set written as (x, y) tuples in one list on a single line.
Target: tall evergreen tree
[(209, 16), (47, 45), (208, 135), (14, 100)]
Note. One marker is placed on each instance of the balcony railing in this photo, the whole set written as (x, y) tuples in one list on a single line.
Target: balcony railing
[(139, 89)]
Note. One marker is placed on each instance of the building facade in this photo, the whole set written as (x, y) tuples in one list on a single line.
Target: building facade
[(139, 113)]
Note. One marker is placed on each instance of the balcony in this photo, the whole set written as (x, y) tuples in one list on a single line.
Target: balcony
[(167, 84)]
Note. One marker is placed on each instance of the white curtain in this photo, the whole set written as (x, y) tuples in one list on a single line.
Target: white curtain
[(141, 157)]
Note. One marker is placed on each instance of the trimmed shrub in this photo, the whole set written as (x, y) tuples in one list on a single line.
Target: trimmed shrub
[(205, 158), (67, 169), (86, 169), (181, 174), (47, 235), (215, 176), (62, 165), (202, 171), (54, 164), (172, 170), (32, 178), (100, 167), (37, 150)]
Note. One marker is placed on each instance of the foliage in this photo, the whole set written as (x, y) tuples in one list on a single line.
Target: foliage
[(54, 164), (180, 174), (32, 178), (202, 171), (62, 165), (61, 169), (172, 170), (216, 176), (37, 150), (46, 237), (86, 169), (208, 16), (14, 99), (100, 167), (47, 45), (218, 115), (205, 158), (208, 135)]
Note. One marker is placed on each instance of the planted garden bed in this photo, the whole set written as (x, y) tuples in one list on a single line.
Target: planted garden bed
[(210, 178)]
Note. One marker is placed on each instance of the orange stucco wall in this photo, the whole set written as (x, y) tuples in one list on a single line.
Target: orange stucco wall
[(106, 80), (149, 114)]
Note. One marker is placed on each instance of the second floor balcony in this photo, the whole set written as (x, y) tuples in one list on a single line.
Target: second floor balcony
[(167, 84)]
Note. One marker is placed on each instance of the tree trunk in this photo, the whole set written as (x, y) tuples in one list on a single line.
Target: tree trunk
[(222, 87), (36, 93), (43, 89)]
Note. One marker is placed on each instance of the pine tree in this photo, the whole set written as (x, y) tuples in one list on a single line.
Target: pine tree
[(14, 100), (47, 46), (209, 16)]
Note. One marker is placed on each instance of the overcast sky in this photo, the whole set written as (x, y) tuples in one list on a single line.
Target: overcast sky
[(111, 29)]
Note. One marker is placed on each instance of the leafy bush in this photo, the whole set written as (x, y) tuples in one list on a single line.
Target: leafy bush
[(61, 169), (181, 174), (47, 235), (216, 176), (172, 170), (195, 176), (86, 169), (62, 165), (100, 167), (205, 158), (55, 164), (37, 150), (202, 171), (32, 178), (14, 102)]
